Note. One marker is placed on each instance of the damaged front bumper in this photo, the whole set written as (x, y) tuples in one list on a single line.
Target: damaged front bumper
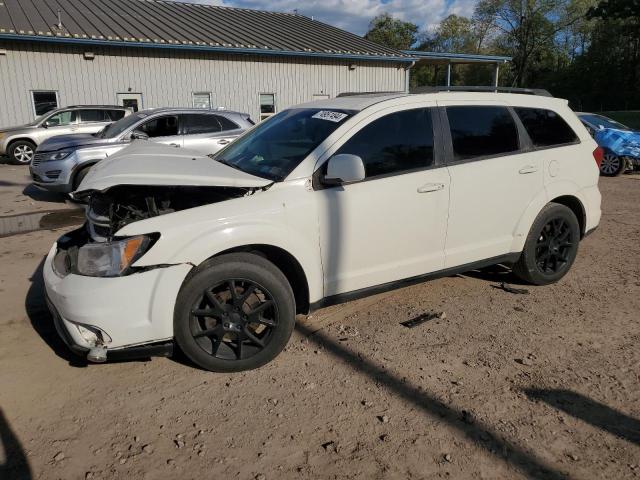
[(122, 314)]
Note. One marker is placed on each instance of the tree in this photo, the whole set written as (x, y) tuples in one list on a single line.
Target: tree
[(391, 32)]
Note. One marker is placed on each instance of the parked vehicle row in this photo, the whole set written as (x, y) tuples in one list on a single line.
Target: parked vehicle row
[(60, 163), (20, 143), (321, 203)]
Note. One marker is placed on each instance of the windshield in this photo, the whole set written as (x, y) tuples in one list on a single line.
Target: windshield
[(116, 128), (599, 121), (276, 146)]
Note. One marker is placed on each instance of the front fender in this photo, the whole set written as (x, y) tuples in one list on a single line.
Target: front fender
[(192, 236)]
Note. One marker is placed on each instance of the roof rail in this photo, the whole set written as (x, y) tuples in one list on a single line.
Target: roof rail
[(355, 94), (92, 106), (524, 91)]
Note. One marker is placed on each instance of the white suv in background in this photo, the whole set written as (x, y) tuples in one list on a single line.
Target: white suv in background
[(322, 203)]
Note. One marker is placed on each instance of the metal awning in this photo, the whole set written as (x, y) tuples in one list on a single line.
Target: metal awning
[(448, 59)]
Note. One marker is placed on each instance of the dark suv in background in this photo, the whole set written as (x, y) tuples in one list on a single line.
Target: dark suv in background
[(20, 143)]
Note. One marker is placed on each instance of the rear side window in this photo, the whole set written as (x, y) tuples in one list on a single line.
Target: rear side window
[(394, 143), (88, 116), (227, 124), (198, 123), (546, 128), (478, 131), (114, 115)]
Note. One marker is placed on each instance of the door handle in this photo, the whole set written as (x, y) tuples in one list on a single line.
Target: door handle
[(174, 145), (528, 169), (431, 187), (224, 141)]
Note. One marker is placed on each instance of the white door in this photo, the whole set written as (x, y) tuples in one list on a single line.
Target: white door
[(130, 100), (492, 181), (392, 225)]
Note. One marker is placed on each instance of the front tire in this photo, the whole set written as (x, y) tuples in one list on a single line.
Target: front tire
[(612, 165), (235, 313), (551, 246), (21, 152)]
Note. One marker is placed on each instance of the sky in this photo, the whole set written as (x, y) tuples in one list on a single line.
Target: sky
[(355, 15)]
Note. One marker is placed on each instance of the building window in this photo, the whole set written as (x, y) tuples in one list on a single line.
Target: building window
[(44, 101), (202, 100), (267, 105)]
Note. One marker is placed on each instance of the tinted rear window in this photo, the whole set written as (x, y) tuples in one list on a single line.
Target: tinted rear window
[(545, 127), (478, 131), (115, 114), (201, 123), (226, 123)]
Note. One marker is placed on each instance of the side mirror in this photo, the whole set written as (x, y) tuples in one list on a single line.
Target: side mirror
[(138, 135), (344, 168)]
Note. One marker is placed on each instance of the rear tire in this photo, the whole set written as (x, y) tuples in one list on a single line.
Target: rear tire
[(612, 165), (551, 246), (21, 152), (235, 312)]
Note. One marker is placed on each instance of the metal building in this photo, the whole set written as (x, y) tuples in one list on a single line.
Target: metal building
[(156, 53)]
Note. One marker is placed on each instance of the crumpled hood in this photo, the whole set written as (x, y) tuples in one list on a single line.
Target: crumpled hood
[(70, 141), (624, 143), (148, 163)]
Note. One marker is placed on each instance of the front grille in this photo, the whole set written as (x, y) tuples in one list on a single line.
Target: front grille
[(53, 173), (37, 158)]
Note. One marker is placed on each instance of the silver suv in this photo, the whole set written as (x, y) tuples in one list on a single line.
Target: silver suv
[(61, 163), (19, 143)]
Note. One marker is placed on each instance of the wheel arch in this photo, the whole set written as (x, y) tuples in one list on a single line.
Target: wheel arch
[(79, 168), (575, 205), (284, 260), (20, 139)]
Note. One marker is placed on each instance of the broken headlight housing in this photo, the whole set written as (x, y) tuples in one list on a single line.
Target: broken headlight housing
[(111, 259)]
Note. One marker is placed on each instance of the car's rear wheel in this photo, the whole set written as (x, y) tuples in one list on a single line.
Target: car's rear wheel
[(612, 165), (237, 312), (551, 246), (21, 152)]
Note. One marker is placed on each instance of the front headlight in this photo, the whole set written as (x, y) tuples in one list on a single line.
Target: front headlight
[(49, 157), (111, 259)]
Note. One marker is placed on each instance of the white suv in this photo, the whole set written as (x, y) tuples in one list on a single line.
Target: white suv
[(322, 203)]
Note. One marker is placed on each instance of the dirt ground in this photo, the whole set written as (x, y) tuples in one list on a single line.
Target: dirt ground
[(541, 385)]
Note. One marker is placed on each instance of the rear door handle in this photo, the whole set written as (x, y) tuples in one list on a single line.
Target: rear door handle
[(174, 145), (528, 169), (224, 141), (431, 187)]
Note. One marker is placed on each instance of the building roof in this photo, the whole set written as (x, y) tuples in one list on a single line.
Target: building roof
[(190, 26)]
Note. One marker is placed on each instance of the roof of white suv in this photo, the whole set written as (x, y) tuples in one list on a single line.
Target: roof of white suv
[(359, 102)]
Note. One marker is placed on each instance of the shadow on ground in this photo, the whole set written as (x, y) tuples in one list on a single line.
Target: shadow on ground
[(42, 322), (591, 412), (41, 195), (480, 434), (496, 274), (15, 466)]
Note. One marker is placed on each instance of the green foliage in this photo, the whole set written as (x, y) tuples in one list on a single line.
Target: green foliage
[(391, 32)]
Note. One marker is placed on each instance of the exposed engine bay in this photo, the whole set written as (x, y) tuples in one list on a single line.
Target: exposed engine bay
[(111, 210)]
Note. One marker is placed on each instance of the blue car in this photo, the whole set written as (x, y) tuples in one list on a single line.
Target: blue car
[(620, 143)]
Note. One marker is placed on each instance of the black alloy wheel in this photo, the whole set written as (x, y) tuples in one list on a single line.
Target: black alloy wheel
[(234, 312), (234, 320), (554, 247), (551, 246)]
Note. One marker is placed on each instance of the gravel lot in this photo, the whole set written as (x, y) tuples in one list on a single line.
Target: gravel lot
[(539, 385)]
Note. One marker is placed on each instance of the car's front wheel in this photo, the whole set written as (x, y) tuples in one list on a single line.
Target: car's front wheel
[(551, 246), (21, 152), (612, 165), (236, 312)]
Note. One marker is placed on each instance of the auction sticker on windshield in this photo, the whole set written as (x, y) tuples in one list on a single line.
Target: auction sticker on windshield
[(331, 116)]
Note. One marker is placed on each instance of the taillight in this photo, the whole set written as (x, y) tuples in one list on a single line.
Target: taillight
[(598, 155)]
